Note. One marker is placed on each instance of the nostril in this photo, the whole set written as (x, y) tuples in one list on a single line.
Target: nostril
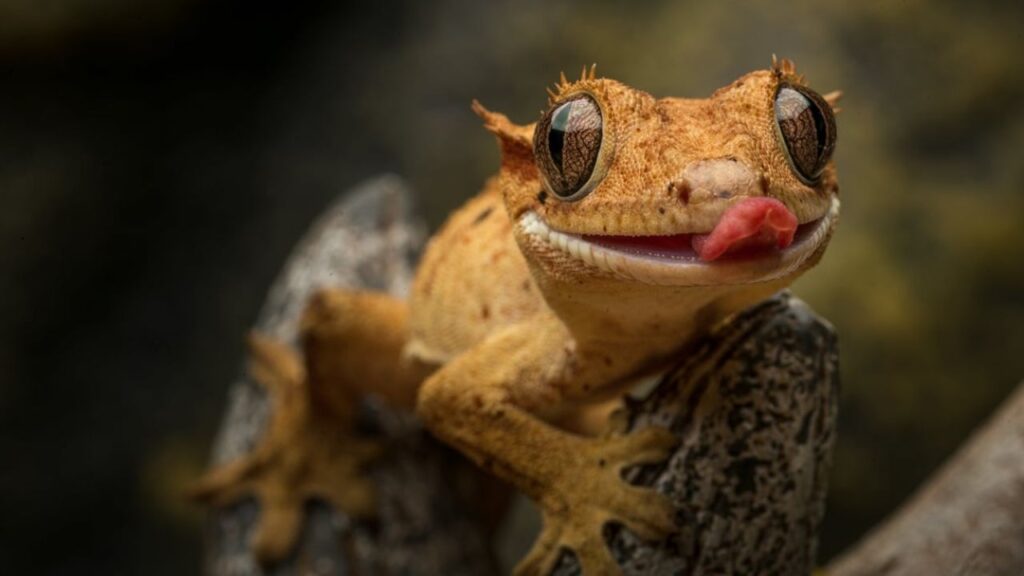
[(680, 189)]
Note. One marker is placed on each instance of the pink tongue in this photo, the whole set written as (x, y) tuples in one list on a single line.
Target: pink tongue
[(750, 225)]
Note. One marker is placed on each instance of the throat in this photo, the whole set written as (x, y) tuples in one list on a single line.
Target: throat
[(657, 318)]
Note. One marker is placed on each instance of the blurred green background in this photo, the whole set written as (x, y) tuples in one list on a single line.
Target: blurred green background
[(159, 158)]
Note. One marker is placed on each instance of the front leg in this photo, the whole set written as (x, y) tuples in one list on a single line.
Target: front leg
[(491, 403)]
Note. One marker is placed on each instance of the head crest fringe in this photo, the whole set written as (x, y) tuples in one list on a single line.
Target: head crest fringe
[(785, 68), (563, 85)]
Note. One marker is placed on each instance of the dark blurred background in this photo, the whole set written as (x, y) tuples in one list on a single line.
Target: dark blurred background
[(158, 159)]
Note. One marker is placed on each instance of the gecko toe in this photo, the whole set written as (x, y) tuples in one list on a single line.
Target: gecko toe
[(648, 514), (544, 554), (278, 529)]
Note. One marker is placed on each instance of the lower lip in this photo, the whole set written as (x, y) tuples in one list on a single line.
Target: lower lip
[(679, 247)]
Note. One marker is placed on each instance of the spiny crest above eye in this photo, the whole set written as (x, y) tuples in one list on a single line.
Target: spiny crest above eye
[(833, 98), (785, 69), (564, 85)]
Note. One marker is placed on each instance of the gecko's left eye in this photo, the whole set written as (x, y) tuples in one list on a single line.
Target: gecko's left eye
[(567, 146), (808, 129)]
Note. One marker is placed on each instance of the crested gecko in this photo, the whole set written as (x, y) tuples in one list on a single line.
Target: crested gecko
[(618, 230)]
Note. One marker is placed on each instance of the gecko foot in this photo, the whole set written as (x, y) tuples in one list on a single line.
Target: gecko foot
[(301, 456), (591, 494)]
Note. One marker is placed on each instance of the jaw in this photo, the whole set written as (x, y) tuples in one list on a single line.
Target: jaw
[(656, 260)]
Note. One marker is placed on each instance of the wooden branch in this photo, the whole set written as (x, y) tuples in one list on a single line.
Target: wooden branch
[(754, 405), (968, 519)]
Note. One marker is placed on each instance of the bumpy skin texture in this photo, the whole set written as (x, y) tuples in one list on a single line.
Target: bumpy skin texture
[(515, 323)]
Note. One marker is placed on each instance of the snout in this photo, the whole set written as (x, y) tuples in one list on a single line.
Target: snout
[(708, 181)]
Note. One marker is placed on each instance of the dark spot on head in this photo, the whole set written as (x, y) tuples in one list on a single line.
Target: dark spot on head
[(526, 285), (683, 190), (601, 462), (542, 196), (478, 401), (723, 194), (483, 215), (485, 312), (661, 210), (427, 287)]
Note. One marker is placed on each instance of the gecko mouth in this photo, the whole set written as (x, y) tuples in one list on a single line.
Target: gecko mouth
[(756, 240)]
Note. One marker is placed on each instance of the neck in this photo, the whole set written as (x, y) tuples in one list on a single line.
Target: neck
[(664, 318)]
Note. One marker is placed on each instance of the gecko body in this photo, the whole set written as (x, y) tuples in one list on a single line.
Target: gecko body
[(619, 229)]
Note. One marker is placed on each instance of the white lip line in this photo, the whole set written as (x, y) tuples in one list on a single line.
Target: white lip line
[(626, 263)]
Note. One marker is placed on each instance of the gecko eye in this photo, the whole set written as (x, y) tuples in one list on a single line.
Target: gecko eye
[(568, 146), (808, 129)]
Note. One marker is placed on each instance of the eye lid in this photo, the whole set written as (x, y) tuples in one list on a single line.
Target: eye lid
[(793, 132)]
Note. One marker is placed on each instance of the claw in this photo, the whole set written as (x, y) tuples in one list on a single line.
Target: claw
[(274, 365), (225, 485), (652, 514), (595, 558), (278, 529), (544, 554), (651, 446), (647, 446)]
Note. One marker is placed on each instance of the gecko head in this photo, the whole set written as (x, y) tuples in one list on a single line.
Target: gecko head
[(612, 183)]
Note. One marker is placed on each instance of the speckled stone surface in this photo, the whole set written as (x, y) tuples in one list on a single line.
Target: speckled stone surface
[(755, 406)]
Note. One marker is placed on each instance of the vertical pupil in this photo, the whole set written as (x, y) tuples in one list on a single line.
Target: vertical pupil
[(556, 134), (819, 128)]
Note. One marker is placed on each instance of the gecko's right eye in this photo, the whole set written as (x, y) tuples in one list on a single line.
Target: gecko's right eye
[(568, 145)]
